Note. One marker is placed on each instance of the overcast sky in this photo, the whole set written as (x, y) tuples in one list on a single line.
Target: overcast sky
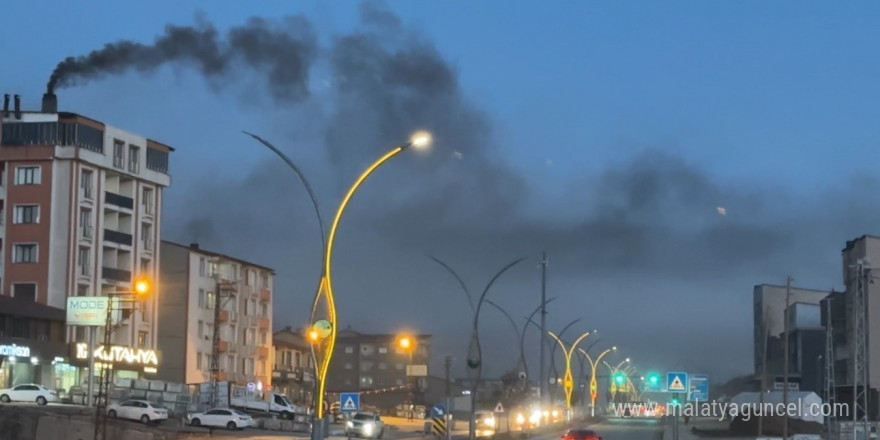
[(607, 133)]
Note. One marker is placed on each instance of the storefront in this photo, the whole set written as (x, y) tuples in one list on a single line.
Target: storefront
[(126, 362), (32, 348)]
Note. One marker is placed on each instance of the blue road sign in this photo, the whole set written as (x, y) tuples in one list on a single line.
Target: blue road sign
[(676, 382), (438, 411), (349, 402), (251, 386), (698, 385)]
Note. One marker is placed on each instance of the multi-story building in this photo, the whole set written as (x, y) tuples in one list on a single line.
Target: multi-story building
[(769, 316), (376, 366), (293, 372), (80, 213), (195, 281)]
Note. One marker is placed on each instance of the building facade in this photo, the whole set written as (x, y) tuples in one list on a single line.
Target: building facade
[(769, 316), (293, 373), (31, 336), (375, 366), (204, 291), (80, 215)]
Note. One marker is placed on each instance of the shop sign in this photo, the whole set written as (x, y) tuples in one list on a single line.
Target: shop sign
[(119, 354), (15, 350), (87, 310)]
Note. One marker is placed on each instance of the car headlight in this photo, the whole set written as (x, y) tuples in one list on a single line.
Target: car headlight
[(349, 425), (489, 421), (520, 419), (368, 427)]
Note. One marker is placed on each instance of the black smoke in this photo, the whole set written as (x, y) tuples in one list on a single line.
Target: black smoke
[(283, 51)]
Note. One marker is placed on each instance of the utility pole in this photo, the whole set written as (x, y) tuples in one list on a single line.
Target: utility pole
[(860, 355), (447, 363), (542, 376), (766, 324), (829, 358), (785, 360), (222, 289)]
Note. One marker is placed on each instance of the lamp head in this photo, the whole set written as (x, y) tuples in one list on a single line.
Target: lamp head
[(142, 286), (420, 139), (614, 348)]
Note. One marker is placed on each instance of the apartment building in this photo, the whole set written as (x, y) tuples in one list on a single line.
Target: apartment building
[(293, 373), (375, 366), (80, 213), (199, 285)]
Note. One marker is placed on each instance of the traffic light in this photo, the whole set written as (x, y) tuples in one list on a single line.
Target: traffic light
[(619, 378), (654, 379), (674, 401)]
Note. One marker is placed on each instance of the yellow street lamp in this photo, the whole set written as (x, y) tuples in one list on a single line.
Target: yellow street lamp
[(594, 386), (325, 290), (568, 382)]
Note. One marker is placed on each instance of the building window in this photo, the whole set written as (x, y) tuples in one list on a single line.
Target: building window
[(147, 201), (264, 310), (398, 366), (25, 291), (251, 278), (27, 175), (349, 349), (24, 253), (202, 298), (264, 279), (297, 358), (133, 153), (201, 328), (85, 222), (84, 260), (145, 266), (261, 368), (26, 214), (250, 336), (249, 366), (86, 185), (252, 307), (147, 236), (202, 266), (264, 338), (230, 364), (348, 366), (383, 366), (209, 300), (198, 361), (142, 339), (383, 350), (119, 154)]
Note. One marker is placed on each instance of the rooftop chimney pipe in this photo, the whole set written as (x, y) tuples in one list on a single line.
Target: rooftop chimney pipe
[(17, 107), (50, 103), (6, 105)]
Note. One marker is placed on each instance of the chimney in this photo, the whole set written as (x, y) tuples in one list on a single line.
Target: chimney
[(17, 107), (50, 103), (194, 245), (6, 105)]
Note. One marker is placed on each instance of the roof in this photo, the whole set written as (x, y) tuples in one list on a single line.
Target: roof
[(194, 247), (850, 244), (30, 309), (802, 289)]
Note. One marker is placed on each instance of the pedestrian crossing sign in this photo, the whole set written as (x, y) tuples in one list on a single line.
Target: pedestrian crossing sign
[(349, 402), (676, 382)]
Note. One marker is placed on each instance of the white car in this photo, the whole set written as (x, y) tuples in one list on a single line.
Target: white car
[(142, 410), (365, 425), (29, 392), (222, 417)]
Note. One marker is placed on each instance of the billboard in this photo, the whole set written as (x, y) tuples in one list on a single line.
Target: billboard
[(87, 310)]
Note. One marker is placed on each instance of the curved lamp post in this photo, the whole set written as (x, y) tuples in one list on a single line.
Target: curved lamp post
[(474, 361), (323, 332), (612, 372), (522, 336), (594, 386), (568, 382)]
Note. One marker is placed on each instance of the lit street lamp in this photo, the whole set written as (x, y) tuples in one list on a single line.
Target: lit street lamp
[(568, 382), (326, 333), (594, 387)]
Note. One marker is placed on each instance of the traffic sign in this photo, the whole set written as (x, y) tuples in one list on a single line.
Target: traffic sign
[(676, 382), (699, 387), (438, 425), (349, 402), (499, 408), (251, 386), (438, 411)]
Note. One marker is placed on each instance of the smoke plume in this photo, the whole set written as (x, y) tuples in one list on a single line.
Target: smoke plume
[(282, 51)]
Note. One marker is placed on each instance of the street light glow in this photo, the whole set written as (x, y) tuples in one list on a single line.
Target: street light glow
[(421, 139), (142, 286)]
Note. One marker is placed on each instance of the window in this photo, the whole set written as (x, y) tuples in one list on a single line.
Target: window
[(297, 358), (85, 222), (383, 366), (349, 349), (250, 336), (27, 175), (26, 291), (202, 298), (147, 201), (202, 266), (201, 328), (264, 279), (383, 350), (264, 338), (209, 300), (198, 361), (142, 339), (26, 214), (83, 261), (264, 310), (261, 368), (348, 366), (147, 235), (119, 154), (230, 364), (86, 184), (145, 266), (248, 366), (24, 253), (133, 153), (252, 306), (251, 278)]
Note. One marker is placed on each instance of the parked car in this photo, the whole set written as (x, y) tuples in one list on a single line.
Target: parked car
[(581, 434), (29, 392), (142, 410), (222, 417), (485, 420), (365, 425)]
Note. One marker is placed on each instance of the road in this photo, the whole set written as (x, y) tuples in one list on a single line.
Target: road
[(612, 429)]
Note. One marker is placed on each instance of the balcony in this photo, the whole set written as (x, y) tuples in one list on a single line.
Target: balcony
[(117, 237), (263, 352), (224, 347), (224, 316), (265, 295), (112, 273), (264, 323), (118, 200)]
